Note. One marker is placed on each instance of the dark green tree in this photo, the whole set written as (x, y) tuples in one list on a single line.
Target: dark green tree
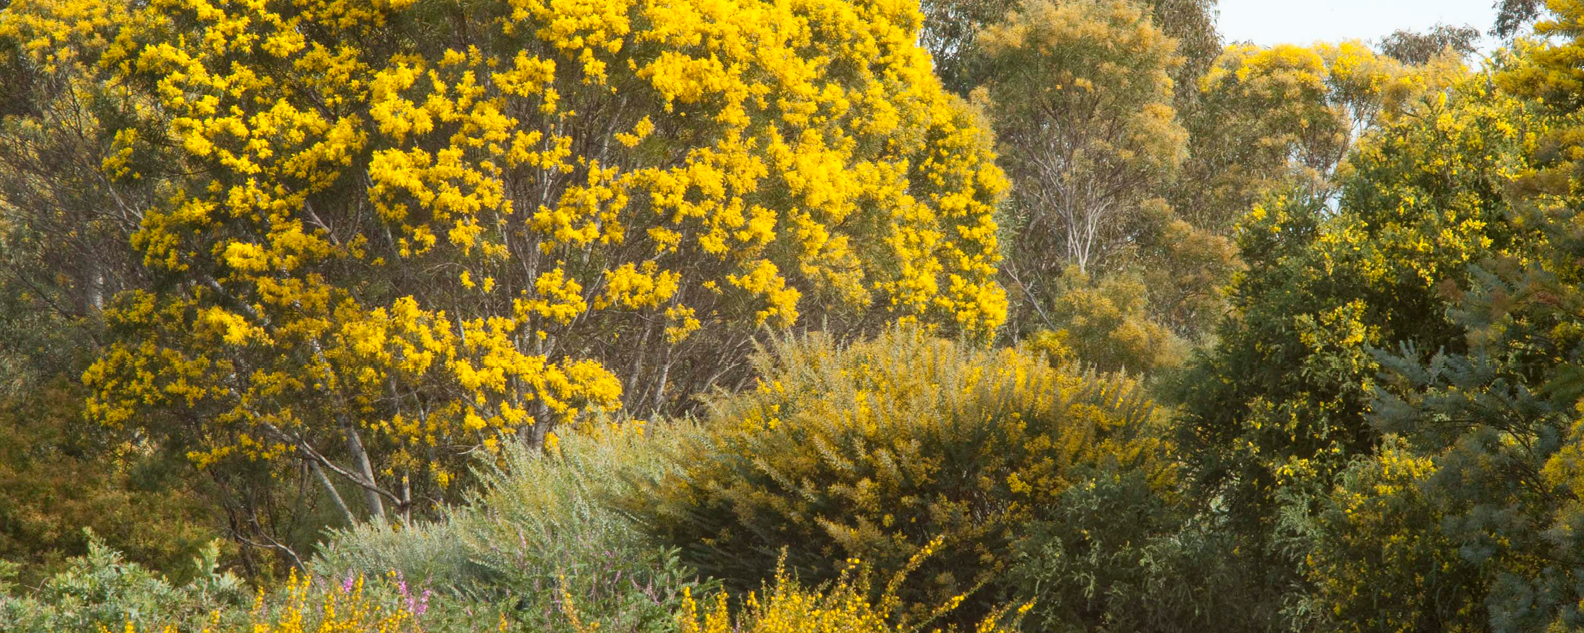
[(1279, 408)]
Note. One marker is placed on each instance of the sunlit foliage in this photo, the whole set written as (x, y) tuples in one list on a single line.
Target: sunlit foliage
[(1082, 101), (875, 450), (376, 251), (843, 607), (1106, 324), (1275, 117)]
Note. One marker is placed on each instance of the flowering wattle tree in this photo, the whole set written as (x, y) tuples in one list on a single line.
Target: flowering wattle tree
[(389, 234)]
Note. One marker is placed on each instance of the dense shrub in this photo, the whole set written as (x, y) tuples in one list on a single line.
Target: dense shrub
[(537, 531), (874, 450), (1376, 556), (135, 603), (1120, 555), (100, 589), (1107, 324), (57, 477)]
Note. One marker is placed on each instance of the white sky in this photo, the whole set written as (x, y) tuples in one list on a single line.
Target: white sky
[(1267, 22)]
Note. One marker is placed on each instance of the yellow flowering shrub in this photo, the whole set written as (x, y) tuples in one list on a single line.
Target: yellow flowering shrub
[(392, 233), (876, 450), (1548, 67), (842, 607), (300, 607), (1377, 557)]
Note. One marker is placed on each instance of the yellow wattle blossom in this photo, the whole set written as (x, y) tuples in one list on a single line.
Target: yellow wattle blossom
[(843, 607), (370, 238), (304, 608)]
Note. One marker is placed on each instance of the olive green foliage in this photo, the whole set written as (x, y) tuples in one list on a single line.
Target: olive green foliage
[(1414, 47), (1485, 512), (538, 532), (1083, 102), (1120, 555), (100, 590), (1354, 271), (952, 28), (874, 450), (56, 479), (1514, 16), (1376, 556), (1107, 324), (1284, 394)]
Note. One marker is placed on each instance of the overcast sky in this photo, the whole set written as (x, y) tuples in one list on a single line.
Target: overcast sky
[(1305, 21)]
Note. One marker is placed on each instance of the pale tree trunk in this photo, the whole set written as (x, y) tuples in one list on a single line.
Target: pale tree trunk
[(360, 458)]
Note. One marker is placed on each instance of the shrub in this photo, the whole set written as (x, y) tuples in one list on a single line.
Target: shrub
[(1119, 555), (303, 606), (58, 477), (874, 450), (538, 528), (1377, 558), (99, 589), (1107, 322), (843, 607)]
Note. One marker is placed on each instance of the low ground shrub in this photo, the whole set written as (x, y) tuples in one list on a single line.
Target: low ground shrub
[(1118, 555), (101, 590), (539, 527), (844, 606)]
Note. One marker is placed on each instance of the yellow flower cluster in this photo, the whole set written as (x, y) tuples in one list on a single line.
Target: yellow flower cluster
[(435, 243), (875, 450), (844, 607), (339, 610)]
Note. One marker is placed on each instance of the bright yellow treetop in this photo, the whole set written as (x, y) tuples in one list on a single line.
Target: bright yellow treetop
[(392, 232)]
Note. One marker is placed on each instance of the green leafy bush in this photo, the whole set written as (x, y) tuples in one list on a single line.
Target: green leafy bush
[(537, 530), (1118, 554), (99, 589), (1376, 556), (873, 451)]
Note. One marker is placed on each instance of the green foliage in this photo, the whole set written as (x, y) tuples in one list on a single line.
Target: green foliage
[(1513, 16), (1491, 429), (1081, 102), (1412, 47), (952, 28), (1275, 414), (1284, 394), (57, 478), (1118, 554), (1080, 94), (101, 593), (538, 532), (1375, 554), (874, 450), (1107, 325), (99, 589)]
